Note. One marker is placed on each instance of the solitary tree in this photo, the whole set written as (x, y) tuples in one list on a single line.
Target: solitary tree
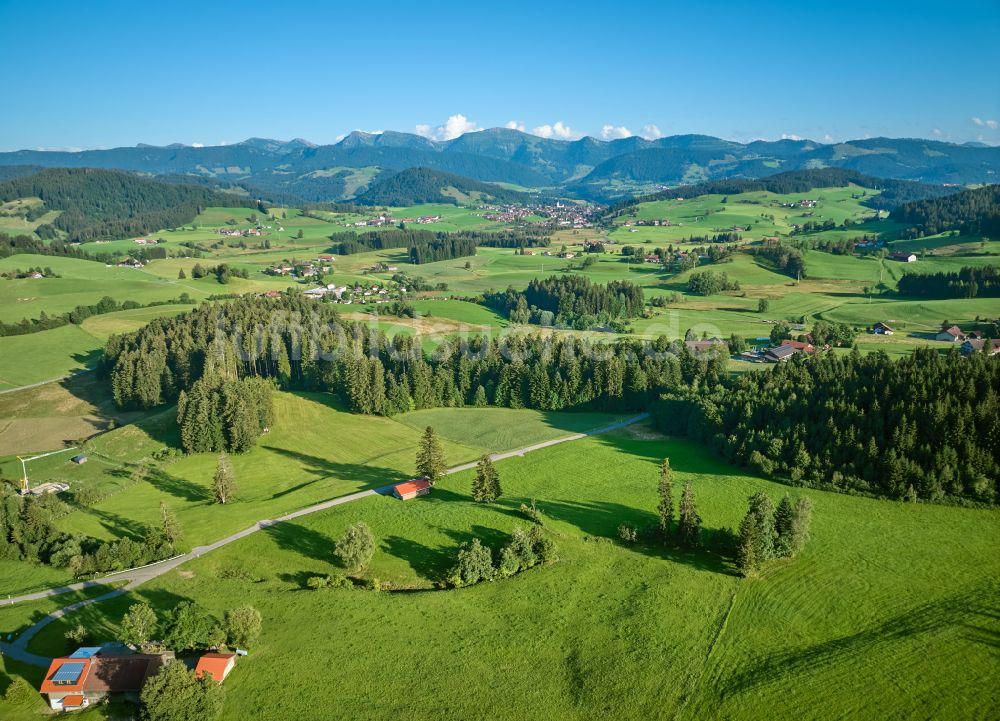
[(355, 548), (242, 625), (665, 508), (171, 529), (224, 482), (762, 305), (430, 457), (486, 486), (688, 520), (747, 559), (181, 275), (138, 625)]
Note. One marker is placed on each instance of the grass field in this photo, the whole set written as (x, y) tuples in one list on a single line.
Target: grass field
[(622, 631)]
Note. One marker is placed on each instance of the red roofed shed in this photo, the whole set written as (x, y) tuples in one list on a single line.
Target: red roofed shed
[(411, 489)]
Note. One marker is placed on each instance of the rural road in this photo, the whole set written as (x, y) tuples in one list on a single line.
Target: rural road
[(135, 577)]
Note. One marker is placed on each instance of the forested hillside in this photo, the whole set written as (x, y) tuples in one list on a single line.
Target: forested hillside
[(891, 192), (971, 212), (99, 204), (416, 186), (927, 425), (251, 337), (425, 246)]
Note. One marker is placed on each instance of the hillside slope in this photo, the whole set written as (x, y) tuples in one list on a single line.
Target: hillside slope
[(415, 186)]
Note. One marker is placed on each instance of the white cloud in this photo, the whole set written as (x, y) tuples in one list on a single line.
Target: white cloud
[(558, 130), (610, 132), (452, 128), (937, 132), (790, 136), (992, 124), (650, 132), (978, 121), (197, 145), (828, 138), (515, 125)]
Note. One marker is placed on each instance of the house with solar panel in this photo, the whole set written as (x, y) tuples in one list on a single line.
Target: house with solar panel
[(90, 674)]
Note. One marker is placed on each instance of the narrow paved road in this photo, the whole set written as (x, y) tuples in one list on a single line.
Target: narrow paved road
[(135, 577)]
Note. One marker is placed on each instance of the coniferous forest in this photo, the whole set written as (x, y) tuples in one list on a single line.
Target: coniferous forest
[(971, 212), (569, 300), (304, 345), (100, 204), (983, 282), (924, 426)]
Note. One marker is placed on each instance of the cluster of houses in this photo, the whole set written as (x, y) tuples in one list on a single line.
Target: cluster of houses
[(972, 342), (374, 293), (256, 231), (758, 354), (144, 241), (93, 673), (386, 219), (309, 269), (903, 257), (563, 215), (130, 263), (804, 203), (664, 222)]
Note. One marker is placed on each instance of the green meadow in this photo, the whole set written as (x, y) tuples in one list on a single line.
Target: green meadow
[(626, 631)]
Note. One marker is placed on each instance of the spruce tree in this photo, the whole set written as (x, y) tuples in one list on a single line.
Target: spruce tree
[(783, 522), (747, 559), (688, 521), (486, 485), (665, 508), (762, 514), (431, 463), (224, 482)]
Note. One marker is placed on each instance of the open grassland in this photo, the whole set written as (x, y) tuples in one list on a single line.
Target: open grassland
[(51, 354), (638, 631), (761, 212), (313, 452)]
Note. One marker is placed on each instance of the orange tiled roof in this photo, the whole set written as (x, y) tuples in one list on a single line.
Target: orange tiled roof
[(412, 486), (72, 701), (57, 663), (213, 663)]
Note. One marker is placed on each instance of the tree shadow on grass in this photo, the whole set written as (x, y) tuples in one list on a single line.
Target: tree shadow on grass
[(924, 619), (178, 487), (368, 476), (301, 539), (427, 562)]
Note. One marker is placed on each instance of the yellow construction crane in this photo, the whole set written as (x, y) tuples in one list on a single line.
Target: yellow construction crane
[(24, 476)]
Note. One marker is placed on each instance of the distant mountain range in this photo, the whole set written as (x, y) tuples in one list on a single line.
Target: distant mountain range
[(586, 168)]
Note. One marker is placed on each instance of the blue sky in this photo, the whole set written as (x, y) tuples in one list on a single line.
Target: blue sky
[(105, 74)]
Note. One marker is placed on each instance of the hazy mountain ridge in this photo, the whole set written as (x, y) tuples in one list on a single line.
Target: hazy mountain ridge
[(587, 168)]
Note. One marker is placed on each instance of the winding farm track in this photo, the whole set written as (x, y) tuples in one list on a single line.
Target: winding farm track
[(18, 648)]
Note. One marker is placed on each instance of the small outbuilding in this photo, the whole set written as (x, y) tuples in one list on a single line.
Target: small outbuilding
[(411, 489), (881, 328), (79, 460), (216, 665)]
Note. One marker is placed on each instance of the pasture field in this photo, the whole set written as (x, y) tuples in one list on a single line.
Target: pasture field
[(626, 631)]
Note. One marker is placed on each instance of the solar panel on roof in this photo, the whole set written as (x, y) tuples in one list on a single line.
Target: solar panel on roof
[(69, 673)]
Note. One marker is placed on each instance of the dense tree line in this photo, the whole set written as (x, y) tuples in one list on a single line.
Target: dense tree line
[(925, 426), (971, 212), (301, 344), (28, 531), (443, 247), (79, 314), (220, 414), (785, 259), (981, 282), (100, 204), (769, 532), (569, 300), (25, 244), (429, 244), (711, 283)]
